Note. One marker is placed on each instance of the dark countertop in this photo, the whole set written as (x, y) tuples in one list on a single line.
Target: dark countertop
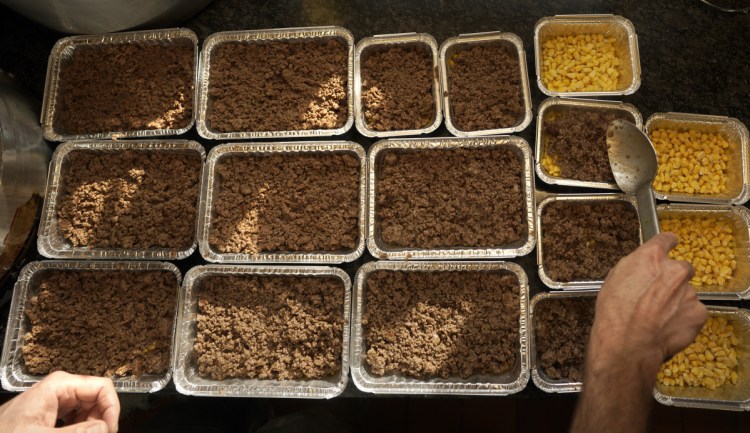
[(694, 58)]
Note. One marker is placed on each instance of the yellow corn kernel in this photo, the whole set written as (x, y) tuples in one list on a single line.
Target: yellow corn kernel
[(550, 166), (590, 62)]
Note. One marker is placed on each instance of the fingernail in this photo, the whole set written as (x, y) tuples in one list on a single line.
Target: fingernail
[(99, 427)]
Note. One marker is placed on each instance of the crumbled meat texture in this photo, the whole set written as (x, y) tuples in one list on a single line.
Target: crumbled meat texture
[(584, 240), (101, 323), (280, 327), (562, 332), (289, 202), (133, 199), (485, 88), (577, 141), (125, 87), (451, 198), (278, 86), (397, 89), (441, 324)]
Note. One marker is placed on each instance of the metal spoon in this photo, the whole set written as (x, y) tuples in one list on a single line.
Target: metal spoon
[(633, 161)]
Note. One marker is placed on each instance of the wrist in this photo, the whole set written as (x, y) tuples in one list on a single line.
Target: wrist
[(622, 356)]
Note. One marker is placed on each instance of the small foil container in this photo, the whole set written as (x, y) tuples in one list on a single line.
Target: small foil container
[(541, 380), (12, 372), (738, 166), (64, 49), (739, 219), (265, 36), (381, 250), (52, 244), (465, 42), (577, 198), (211, 189), (186, 377), (626, 48), (510, 383), (552, 106), (728, 396), (367, 46)]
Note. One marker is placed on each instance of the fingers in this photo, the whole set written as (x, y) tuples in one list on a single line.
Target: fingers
[(86, 394), (84, 427), (665, 241)]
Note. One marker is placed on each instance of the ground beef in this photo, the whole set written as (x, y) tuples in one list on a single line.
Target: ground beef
[(101, 323), (562, 329), (584, 240), (125, 87), (471, 197), (397, 89), (286, 202), (485, 88), (133, 199), (577, 142), (441, 324), (269, 327), (278, 86)]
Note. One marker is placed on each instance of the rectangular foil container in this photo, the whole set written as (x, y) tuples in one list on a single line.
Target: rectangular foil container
[(739, 218), (510, 383), (381, 42), (265, 36), (186, 377), (738, 167), (581, 198), (462, 42), (380, 250), (728, 396), (211, 188), (626, 48), (63, 50), (540, 379), (556, 105), (51, 242), (11, 366)]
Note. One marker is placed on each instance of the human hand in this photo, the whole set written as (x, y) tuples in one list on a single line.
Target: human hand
[(87, 405), (646, 308)]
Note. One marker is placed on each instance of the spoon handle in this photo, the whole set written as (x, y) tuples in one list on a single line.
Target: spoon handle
[(647, 212)]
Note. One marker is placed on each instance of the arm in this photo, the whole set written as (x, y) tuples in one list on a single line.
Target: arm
[(646, 312), (87, 404)]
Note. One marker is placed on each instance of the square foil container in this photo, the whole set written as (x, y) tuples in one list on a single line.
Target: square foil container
[(264, 36), (380, 250), (550, 106), (726, 397), (626, 48), (738, 166), (211, 188), (186, 377), (509, 383), (739, 219), (541, 380), (579, 198), (52, 244), (463, 42), (63, 50), (12, 372), (382, 42)]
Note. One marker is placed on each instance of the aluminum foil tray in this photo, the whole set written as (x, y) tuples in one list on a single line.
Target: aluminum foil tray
[(211, 188), (381, 42), (264, 36), (12, 372), (552, 106), (464, 42), (63, 50), (626, 47), (51, 243), (509, 383), (588, 284), (186, 377), (381, 250), (738, 167)]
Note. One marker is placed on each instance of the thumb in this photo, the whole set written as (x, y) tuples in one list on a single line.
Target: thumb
[(95, 426)]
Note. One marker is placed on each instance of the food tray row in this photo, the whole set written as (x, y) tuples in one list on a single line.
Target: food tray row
[(217, 87), (367, 340)]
